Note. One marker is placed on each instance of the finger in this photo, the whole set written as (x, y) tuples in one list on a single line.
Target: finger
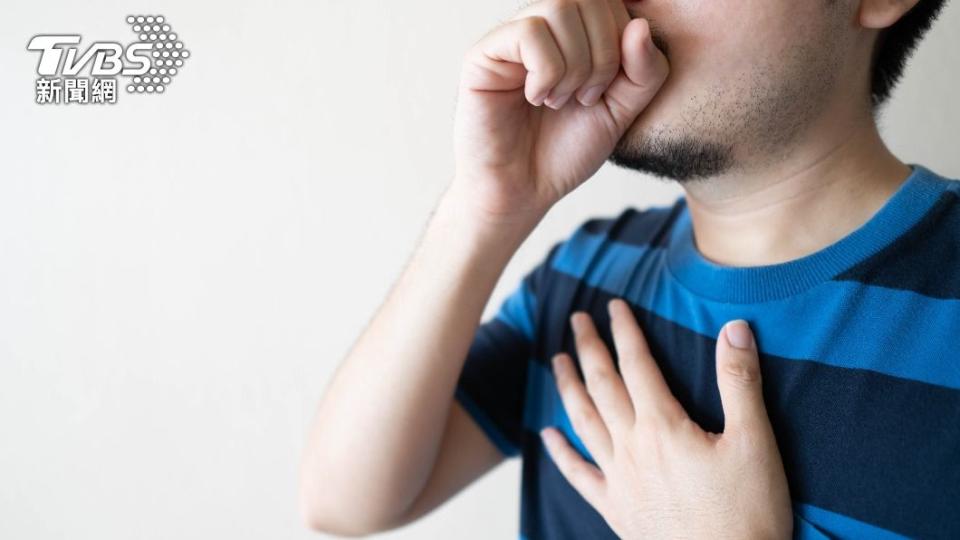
[(604, 384), (586, 421), (738, 378), (518, 53), (566, 23), (644, 70), (587, 479), (604, 39), (645, 384)]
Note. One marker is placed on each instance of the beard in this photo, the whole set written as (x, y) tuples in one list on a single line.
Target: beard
[(749, 120), (680, 158)]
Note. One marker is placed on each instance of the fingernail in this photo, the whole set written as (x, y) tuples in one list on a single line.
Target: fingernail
[(557, 102), (739, 334), (538, 100), (591, 95)]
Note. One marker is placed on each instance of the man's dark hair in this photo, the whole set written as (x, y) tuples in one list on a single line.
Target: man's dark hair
[(895, 44)]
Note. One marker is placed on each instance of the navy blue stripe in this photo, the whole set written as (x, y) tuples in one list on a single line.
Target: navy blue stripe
[(925, 260), (493, 379), (647, 227), (551, 508), (486, 423)]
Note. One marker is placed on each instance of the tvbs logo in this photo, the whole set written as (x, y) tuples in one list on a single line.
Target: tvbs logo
[(149, 64), (106, 56)]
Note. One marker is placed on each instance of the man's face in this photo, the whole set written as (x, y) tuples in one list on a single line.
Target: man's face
[(745, 77)]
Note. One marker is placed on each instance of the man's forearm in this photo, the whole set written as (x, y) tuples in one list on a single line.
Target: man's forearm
[(379, 424)]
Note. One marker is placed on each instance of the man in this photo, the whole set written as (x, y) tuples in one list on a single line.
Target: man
[(803, 249)]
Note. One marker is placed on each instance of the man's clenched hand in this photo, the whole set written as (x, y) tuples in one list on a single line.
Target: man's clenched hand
[(660, 475), (543, 100)]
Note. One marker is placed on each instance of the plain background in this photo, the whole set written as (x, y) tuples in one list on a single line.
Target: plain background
[(180, 274)]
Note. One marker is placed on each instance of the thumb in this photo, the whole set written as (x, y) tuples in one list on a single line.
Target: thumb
[(738, 377), (644, 68)]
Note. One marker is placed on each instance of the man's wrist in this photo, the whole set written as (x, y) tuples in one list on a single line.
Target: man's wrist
[(479, 229)]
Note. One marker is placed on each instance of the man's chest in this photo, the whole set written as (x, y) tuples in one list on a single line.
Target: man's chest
[(859, 444)]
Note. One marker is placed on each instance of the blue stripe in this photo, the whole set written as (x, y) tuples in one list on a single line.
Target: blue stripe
[(543, 407), (841, 526), (816, 324), (804, 530), (576, 255), (905, 209), (517, 310)]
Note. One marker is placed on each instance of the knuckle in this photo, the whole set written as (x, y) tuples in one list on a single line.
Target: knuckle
[(590, 343), (576, 472), (653, 74), (531, 26), (742, 371), (676, 415), (565, 464), (553, 71), (579, 473), (685, 426), (648, 422), (629, 352), (606, 62), (564, 386), (598, 378), (582, 419), (664, 420), (579, 71), (751, 445)]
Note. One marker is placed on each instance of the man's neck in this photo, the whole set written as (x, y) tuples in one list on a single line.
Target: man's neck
[(832, 183)]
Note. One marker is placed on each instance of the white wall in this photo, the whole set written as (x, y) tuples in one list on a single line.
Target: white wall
[(180, 274)]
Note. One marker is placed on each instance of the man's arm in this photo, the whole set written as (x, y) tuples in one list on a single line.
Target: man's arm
[(465, 454), (388, 443)]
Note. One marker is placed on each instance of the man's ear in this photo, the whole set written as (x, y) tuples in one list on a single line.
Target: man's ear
[(881, 14)]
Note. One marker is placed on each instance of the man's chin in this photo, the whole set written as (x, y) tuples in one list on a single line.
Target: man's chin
[(683, 158)]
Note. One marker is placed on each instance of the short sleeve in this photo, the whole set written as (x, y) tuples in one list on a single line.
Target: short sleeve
[(492, 385)]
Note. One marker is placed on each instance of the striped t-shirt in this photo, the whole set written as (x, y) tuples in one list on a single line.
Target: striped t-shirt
[(859, 350)]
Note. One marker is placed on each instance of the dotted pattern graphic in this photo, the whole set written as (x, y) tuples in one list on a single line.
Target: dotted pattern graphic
[(167, 54)]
